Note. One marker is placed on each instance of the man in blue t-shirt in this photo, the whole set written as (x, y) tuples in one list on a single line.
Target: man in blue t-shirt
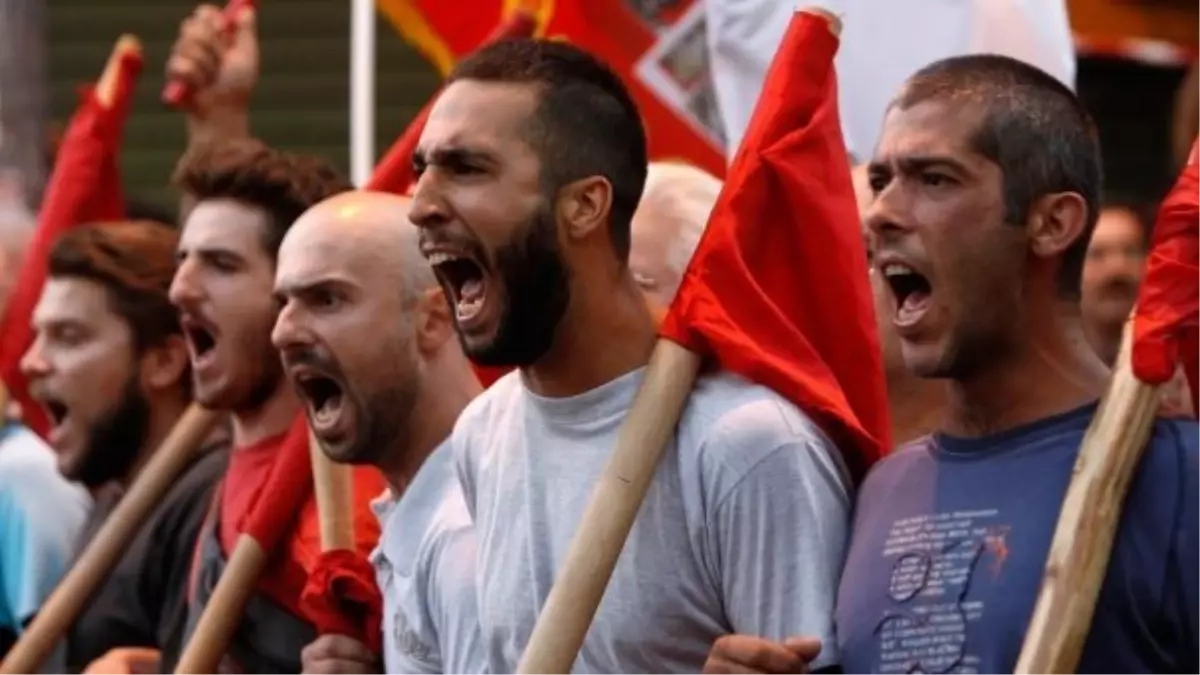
[(986, 184)]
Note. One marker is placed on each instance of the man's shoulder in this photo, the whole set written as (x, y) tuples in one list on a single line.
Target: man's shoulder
[(732, 425), (29, 471), (491, 402), (186, 503), (737, 412)]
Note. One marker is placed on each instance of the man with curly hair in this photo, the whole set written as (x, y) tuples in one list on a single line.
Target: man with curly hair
[(243, 197)]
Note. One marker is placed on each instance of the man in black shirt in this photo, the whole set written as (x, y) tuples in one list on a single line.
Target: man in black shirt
[(110, 367)]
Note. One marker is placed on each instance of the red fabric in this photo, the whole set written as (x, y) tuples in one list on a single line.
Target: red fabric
[(248, 470), (83, 187), (610, 29), (778, 289), (1167, 313), (267, 494), (341, 598)]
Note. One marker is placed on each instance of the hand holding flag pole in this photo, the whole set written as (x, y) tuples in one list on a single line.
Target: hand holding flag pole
[(786, 216), (1164, 317), (176, 94)]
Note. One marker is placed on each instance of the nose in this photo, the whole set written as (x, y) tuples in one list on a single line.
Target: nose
[(33, 364), (290, 331), (889, 214), (184, 291), (428, 208)]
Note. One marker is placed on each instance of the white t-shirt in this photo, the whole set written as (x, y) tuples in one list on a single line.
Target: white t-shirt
[(425, 568), (883, 42), (743, 528)]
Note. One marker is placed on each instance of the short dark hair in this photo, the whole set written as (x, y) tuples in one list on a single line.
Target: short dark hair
[(283, 184), (134, 261), (586, 123), (1033, 126)]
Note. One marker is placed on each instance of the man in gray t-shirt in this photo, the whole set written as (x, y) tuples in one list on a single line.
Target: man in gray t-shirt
[(530, 167)]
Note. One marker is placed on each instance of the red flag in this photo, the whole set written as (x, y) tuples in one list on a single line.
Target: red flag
[(778, 289), (1167, 314), (656, 48), (83, 187)]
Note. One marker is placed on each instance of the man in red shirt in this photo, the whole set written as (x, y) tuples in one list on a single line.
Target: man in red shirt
[(244, 197)]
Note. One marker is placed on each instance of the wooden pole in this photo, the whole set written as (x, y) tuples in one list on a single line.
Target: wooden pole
[(1108, 459), (104, 550), (225, 606), (611, 511), (333, 484)]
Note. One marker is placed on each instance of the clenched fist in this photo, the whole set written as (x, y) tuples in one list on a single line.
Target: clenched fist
[(339, 654), (218, 62)]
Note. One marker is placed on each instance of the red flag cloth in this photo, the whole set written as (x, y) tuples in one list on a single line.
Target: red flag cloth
[(341, 598), (83, 187), (778, 289), (1167, 314), (651, 45)]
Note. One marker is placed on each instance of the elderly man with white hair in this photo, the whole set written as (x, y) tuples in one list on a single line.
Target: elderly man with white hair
[(667, 226)]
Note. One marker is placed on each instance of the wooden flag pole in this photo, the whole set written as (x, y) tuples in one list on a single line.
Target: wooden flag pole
[(611, 511), (333, 484), (104, 550), (1079, 553)]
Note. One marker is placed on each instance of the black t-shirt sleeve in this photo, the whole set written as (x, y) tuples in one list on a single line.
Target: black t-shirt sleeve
[(144, 601)]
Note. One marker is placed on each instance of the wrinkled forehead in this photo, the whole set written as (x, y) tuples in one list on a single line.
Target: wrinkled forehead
[(471, 114), (314, 252), (940, 127)]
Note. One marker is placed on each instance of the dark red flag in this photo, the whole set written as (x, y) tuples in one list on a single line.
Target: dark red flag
[(1167, 313), (778, 289), (84, 187)]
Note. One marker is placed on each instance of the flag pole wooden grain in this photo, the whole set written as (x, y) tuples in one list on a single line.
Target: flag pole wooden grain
[(112, 539), (1079, 553), (333, 484)]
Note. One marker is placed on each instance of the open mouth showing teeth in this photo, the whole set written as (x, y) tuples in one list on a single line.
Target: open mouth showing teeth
[(910, 288), (324, 397), (464, 280), (202, 341)]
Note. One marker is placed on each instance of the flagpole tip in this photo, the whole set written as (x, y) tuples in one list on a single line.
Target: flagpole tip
[(834, 23)]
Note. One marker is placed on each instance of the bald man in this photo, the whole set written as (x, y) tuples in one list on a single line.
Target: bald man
[(367, 340), (667, 226)]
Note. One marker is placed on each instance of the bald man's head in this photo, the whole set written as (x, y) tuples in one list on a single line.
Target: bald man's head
[(360, 315)]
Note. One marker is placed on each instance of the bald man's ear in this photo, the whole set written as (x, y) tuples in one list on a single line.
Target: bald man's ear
[(1056, 222), (434, 323)]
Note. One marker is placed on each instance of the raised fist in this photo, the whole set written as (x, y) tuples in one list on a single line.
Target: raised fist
[(218, 62)]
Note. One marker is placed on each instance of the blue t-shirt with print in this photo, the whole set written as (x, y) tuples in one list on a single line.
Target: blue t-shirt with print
[(951, 537)]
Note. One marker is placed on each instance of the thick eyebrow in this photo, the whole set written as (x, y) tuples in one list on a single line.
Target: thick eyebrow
[(453, 156), (918, 163), (208, 253)]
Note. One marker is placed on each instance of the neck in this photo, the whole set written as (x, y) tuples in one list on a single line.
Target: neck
[(605, 334), (165, 411), (1105, 339), (915, 404), (442, 398), (1051, 371), (270, 418)]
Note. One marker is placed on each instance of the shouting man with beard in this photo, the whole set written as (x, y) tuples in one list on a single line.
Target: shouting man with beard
[(245, 196), (350, 267), (110, 367), (530, 168)]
